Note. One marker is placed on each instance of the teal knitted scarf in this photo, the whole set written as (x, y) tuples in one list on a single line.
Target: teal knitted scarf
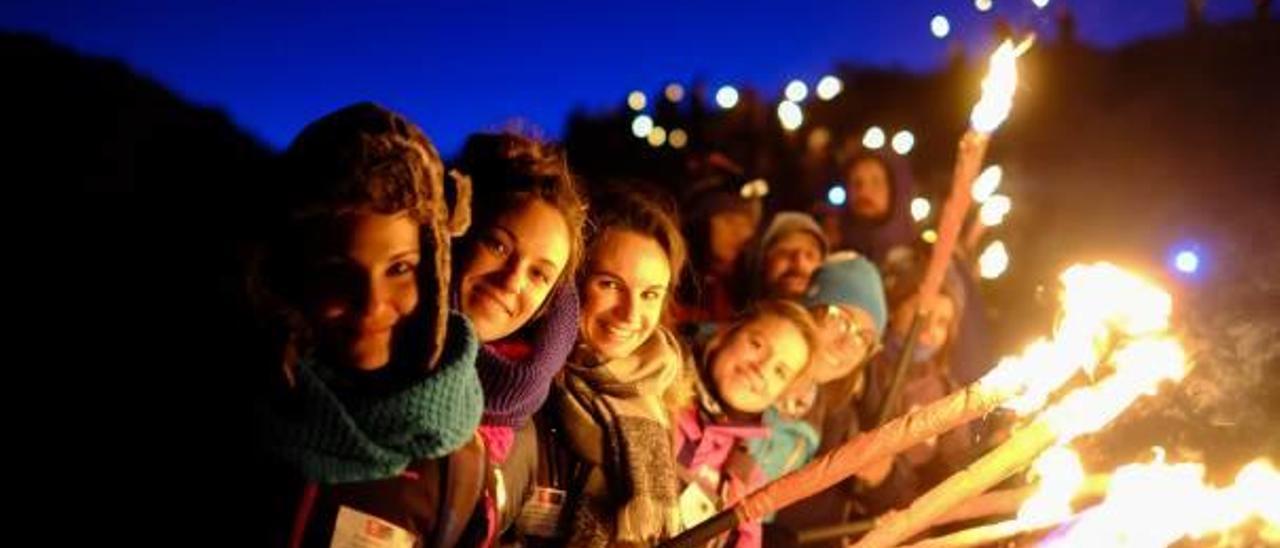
[(332, 439)]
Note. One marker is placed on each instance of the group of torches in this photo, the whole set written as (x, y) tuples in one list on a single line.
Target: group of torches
[(1111, 346)]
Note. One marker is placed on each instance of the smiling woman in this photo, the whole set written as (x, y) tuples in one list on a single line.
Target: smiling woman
[(610, 411), (370, 390), (526, 239), (514, 281)]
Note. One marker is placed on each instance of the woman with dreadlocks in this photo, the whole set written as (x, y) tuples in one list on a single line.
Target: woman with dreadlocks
[(370, 408)]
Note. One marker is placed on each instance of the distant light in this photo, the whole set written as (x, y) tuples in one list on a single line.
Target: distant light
[(1040, 3), (727, 97), (920, 208), (940, 26), (982, 5), (986, 183), (836, 194), (994, 210), (674, 92), (1187, 262), (790, 115), (678, 138), (873, 138), (636, 100), (929, 236), (819, 138), (755, 188), (829, 87), (641, 126), (993, 261), (796, 91), (657, 137), (903, 142)]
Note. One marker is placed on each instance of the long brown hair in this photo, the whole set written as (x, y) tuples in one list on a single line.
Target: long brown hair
[(635, 208), (508, 170)]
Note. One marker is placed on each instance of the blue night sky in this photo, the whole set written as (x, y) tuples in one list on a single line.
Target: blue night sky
[(457, 66)]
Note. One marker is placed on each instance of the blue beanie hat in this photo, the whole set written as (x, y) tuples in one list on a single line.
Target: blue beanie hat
[(849, 279)]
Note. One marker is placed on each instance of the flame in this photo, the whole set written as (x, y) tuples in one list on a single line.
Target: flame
[(1141, 367), (1059, 475), (997, 90), (1103, 293), (1158, 503), (1097, 299), (1259, 482)]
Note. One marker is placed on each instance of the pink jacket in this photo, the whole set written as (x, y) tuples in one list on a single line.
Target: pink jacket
[(714, 456)]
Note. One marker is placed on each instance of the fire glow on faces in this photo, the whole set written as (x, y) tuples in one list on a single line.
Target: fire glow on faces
[(847, 336), (789, 264), (512, 268), (757, 361), (869, 189), (628, 277)]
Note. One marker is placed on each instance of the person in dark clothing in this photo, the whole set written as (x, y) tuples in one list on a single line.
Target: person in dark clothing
[(369, 399), (515, 280), (723, 213), (930, 377), (879, 203), (879, 225)]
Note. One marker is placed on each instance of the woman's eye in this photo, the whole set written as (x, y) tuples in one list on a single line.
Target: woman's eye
[(497, 246), (401, 268)]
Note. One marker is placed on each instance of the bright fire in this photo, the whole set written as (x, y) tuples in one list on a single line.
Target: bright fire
[(1059, 475), (1159, 503), (997, 90), (1140, 369), (1098, 300)]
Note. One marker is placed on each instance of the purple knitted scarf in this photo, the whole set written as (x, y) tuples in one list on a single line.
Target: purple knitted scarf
[(514, 390)]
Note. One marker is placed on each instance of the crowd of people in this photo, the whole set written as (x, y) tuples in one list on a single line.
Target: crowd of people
[(494, 352)]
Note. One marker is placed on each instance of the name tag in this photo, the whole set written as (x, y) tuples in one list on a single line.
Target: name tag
[(540, 516), (356, 529), (695, 506)]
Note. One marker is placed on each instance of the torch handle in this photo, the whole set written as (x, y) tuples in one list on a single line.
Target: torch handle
[(974, 237), (982, 474), (704, 532), (901, 368), (969, 155)]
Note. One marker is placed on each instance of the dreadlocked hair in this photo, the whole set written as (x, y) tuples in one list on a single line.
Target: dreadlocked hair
[(361, 159)]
